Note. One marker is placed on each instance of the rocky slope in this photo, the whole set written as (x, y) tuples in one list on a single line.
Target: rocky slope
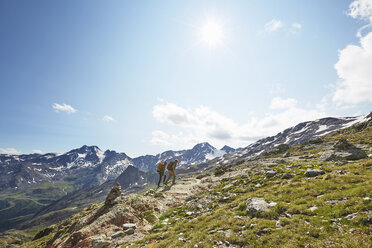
[(293, 197)]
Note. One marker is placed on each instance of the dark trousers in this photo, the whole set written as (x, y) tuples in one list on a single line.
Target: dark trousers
[(161, 174)]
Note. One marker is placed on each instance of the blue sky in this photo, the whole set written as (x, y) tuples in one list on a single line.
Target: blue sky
[(139, 76)]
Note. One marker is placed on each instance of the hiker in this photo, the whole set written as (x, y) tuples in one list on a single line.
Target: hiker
[(161, 171), (172, 171)]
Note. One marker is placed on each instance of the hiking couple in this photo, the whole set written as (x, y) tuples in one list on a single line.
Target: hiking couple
[(171, 170)]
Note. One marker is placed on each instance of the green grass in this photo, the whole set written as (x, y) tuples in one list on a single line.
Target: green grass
[(21, 205), (299, 225)]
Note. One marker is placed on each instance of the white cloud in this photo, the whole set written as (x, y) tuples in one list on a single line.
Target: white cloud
[(355, 62), (37, 151), (173, 114), (361, 9), (273, 25), (280, 103), (108, 118), (10, 151), (64, 108), (295, 28), (203, 124), (296, 25)]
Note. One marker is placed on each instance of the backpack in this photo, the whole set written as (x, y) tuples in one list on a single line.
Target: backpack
[(159, 167), (170, 165)]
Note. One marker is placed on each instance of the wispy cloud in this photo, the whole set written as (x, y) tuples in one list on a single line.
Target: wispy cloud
[(273, 25), (37, 151), (10, 151), (280, 103), (64, 108), (108, 118), (295, 28)]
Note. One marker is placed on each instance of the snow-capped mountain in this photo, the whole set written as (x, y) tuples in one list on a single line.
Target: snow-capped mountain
[(229, 149), (88, 165), (298, 134), (199, 153)]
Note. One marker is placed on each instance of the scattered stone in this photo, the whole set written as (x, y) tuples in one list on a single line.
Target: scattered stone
[(227, 233), (181, 239), (270, 173), (129, 225), (287, 176), (117, 235), (189, 213), (129, 231), (313, 172), (366, 198), (351, 216), (258, 205), (313, 208), (278, 224), (99, 242), (228, 186)]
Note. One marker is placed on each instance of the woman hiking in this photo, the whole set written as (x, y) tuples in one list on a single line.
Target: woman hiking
[(161, 171), (172, 171)]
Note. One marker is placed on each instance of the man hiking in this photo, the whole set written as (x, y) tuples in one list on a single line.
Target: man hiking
[(172, 171), (161, 171)]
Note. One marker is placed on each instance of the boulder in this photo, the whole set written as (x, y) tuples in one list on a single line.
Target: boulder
[(257, 205), (127, 226), (117, 235), (313, 172), (129, 231)]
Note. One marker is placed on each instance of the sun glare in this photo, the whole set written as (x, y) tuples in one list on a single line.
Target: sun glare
[(212, 33)]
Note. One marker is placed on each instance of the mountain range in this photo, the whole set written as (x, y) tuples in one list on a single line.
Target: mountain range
[(88, 165)]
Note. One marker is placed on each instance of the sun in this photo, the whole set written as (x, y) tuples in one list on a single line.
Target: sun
[(212, 33)]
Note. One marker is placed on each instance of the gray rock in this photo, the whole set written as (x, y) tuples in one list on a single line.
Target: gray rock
[(113, 195), (287, 176), (313, 172), (270, 173), (257, 205), (129, 225), (129, 231), (117, 235), (99, 242)]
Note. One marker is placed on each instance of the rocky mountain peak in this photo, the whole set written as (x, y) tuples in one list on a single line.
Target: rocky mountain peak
[(228, 149)]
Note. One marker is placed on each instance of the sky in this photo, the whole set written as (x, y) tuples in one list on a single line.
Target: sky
[(142, 77)]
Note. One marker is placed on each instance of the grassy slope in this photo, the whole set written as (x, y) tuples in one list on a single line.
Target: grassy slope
[(294, 221), (19, 206)]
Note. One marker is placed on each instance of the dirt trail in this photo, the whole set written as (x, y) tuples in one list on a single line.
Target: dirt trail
[(179, 192)]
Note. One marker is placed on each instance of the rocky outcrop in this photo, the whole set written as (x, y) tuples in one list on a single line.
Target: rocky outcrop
[(255, 206), (313, 172), (343, 150), (114, 194)]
